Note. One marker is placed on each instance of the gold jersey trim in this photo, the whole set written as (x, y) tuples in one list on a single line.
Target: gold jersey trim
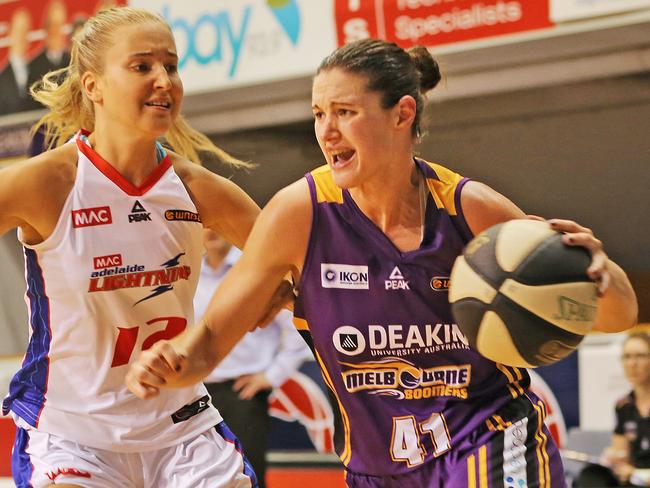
[(443, 189), (346, 455), (300, 324), (326, 189)]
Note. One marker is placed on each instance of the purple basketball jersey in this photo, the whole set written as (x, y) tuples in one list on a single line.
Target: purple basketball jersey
[(406, 388)]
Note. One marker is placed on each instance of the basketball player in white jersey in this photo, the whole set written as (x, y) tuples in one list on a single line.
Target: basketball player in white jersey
[(111, 226)]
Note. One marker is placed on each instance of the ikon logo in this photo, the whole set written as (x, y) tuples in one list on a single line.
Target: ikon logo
[(87, 217), (101, 262)]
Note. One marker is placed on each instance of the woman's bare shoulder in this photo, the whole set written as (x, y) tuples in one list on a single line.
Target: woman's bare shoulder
[(32, 192), (51, 172), (56, 166)]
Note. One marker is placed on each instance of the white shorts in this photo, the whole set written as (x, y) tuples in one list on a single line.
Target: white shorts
[(213, 459)]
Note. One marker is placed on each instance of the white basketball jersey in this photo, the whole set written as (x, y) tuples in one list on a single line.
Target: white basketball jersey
[(117, 274)]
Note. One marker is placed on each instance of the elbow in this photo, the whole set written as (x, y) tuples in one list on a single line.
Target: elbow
[(618, 319)]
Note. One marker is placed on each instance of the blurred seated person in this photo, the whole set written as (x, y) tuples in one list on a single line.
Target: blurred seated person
[(240, 386), (628, 456)]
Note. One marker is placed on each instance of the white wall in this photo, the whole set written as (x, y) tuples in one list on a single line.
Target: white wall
[(13, 312), (601, 380)]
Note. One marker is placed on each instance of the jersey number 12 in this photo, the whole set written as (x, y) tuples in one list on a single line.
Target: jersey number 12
[(128, 336)]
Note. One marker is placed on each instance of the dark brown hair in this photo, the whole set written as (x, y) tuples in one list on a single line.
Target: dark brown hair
[(390, 70)]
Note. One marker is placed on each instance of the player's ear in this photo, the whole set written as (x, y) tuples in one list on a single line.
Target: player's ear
[(406, 108), (91, 86)]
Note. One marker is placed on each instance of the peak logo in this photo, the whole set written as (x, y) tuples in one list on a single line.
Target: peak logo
[(139, 214), (88, 217), (396, 281)]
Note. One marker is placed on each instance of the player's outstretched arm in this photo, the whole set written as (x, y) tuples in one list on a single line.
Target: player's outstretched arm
[(276, 246)]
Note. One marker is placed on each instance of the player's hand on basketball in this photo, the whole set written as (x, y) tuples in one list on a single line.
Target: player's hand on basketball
[(577, 235), (157, 367), (282, 298)]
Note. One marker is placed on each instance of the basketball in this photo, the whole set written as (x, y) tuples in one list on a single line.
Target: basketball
[(521, 296)]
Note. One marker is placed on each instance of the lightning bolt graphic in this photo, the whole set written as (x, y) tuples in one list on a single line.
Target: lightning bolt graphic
[(173, 261), (155, 292)]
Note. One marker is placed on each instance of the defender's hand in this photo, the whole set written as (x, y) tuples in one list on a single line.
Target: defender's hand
[(157, 367)]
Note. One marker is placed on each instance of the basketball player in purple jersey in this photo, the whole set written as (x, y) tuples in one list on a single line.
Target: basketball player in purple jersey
[(370, 239), (112, 230)]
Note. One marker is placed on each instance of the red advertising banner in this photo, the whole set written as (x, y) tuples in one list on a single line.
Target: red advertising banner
[(435, 22), (34, 39)]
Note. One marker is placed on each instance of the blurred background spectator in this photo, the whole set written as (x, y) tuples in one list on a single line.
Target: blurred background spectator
[(56, 53), (14, 96), (240, 386), (628, 456)]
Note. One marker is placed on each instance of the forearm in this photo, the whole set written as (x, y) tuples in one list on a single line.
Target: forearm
[(195, 345), (618, 307)]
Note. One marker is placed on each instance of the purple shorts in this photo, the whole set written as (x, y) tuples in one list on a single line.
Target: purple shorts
[(513, 449)]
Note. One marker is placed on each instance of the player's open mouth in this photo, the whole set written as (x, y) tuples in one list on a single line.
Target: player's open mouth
[(161, 104), (342, 158)]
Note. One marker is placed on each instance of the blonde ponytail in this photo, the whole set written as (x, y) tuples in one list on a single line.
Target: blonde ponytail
[(188, 142), (69, 109)]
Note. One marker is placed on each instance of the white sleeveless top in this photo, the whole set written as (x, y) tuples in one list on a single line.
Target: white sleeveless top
[(117, 274)]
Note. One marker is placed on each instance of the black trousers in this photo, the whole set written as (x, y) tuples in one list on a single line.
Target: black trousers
[(596, 476), (248, 419)]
